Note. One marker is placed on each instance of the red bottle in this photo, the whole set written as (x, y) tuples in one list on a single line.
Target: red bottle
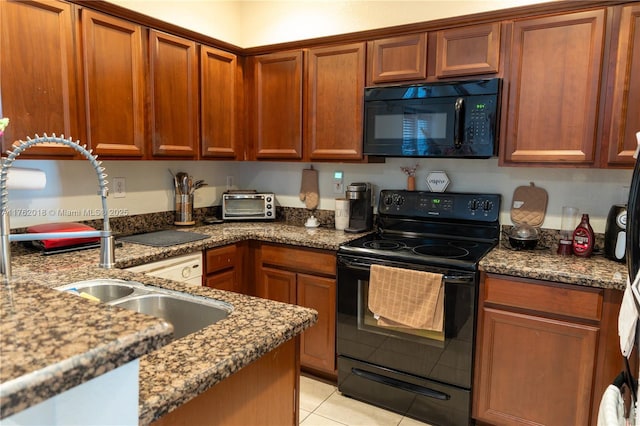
[(583, 238)]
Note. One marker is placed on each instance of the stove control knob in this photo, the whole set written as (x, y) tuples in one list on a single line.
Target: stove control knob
[(388, 200), (487, 205), (473, 205), (399, 201)]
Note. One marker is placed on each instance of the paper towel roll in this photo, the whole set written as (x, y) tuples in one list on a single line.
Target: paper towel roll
[(23, 178)]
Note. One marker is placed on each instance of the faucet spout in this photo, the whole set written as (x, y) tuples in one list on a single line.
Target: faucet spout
[(107, 246)]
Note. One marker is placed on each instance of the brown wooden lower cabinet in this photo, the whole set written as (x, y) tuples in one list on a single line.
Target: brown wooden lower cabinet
[(545, 351), (225, 267), (265, 392), (306, 277)]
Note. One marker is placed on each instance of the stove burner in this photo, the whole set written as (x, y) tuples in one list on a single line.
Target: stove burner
[(464, 244), (383, 245), (440, 250)]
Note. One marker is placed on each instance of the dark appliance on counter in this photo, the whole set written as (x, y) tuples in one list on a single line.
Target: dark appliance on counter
[(421, 376), (456, 120), (615, 234), (360, 208)]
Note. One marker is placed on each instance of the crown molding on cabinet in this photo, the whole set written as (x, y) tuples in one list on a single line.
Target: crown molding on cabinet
[(476, 18)]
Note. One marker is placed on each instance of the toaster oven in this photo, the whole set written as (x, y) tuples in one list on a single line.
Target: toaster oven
[(248, 205)]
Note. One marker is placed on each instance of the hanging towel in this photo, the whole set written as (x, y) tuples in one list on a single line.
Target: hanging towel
[(406, 298), (309, 188), (611, 410), (628, 318)]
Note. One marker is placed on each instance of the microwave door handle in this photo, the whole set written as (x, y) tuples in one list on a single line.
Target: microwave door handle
[(458, 123)]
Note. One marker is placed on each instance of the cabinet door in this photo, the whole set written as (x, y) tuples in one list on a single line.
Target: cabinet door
[(468, 50), (277, 285), (113, 66), (625, 122), (218, 104), (396, 59), (333, 104), (225, 280), (38, 84), (318, 348), (277, 104), (534, 370), (174, 95), (553, 89)]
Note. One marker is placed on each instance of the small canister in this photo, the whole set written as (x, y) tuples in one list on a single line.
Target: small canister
[(342, 213), (184, 209)]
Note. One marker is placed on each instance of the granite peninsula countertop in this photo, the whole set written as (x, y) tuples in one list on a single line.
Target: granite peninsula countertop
[(98, 337), (181, 370)]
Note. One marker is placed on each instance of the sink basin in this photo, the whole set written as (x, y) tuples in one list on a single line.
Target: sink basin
[(106, 290), (186, 314)]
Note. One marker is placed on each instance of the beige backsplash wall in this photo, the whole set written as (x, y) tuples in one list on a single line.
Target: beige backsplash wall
[(71, 191)]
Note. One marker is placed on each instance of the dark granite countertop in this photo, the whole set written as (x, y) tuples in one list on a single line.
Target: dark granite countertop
[(181, 370), (544, 264), (99, 337)]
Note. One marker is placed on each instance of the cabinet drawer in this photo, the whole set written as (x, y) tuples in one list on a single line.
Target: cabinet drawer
[(556, 299), (220, 258), (299, 259)]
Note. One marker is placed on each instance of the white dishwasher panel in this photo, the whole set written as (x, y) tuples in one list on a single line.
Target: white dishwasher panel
[(186, 269)]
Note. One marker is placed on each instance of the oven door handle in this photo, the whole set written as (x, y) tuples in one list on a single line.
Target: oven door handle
[(409, 387), (363, 266)]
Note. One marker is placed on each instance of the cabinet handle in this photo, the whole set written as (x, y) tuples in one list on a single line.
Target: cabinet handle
[(410, 387), (458, 125)]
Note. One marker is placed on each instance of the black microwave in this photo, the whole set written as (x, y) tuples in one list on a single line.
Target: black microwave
[(448, 120)]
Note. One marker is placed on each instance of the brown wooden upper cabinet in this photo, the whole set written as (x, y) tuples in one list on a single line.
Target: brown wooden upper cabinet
[(114, 85), (624, 100), (173, 71), (277, 106), (468, 50), (219, 110), (553, 88), (38, 84), (397, 59), (308, 104), (333, 112)]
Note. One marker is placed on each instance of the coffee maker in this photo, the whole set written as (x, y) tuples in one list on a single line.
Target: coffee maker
[(360, 208)]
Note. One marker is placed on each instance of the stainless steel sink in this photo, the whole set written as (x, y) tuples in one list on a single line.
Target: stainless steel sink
[(187, 313), (106, 289)]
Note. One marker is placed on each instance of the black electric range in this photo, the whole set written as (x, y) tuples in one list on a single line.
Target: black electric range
[(427, 377)]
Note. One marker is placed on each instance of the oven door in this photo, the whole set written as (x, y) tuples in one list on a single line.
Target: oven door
[(445, 357)]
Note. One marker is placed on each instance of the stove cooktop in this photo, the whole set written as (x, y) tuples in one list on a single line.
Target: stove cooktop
[(435, 229), (427, 251)]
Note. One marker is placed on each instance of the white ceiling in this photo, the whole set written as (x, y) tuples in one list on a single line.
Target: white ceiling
[(249, 23)]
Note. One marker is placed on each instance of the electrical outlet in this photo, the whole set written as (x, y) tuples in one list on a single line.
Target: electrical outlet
[(229, 182), (119, 189)]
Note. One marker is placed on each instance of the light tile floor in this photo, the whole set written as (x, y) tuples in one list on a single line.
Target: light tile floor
[(322, 405)]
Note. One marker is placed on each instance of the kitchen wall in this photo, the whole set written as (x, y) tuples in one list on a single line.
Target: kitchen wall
[(249, 23), (71, 190)]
